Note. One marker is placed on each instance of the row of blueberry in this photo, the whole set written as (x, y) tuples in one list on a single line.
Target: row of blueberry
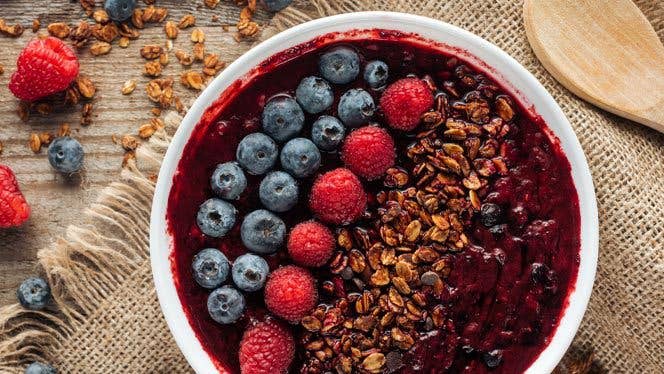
[(282, 120)]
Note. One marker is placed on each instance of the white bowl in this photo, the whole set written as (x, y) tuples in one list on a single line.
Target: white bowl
[(483, 54)]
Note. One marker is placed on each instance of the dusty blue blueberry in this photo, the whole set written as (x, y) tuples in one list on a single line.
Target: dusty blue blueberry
[(228, 181), (66, 155), (211, 268), (216, 217), (276, 5), (119, 10), (257, 153), (314, 94), (39, 368), (262, 231), (34, 293), (278, 191), (327, 133), (376, 73), (300, 157), (339, 65), (282, 118), (356, 107), (226, 305), (250, 272)]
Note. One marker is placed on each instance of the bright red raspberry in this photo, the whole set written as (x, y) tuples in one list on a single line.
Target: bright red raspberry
[(266, 347), (14, 210), (310, 244), (44, 67), (290, 293), (404, 102), (337, 197), (368, 152)]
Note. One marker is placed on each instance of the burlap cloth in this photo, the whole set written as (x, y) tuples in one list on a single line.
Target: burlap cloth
[(108, 319)]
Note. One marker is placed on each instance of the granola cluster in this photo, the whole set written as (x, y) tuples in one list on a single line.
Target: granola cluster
[(387, 279)]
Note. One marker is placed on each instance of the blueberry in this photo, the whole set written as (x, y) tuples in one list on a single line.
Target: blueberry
[(216, 217), (276, 5), (282, 118), (314, 94), (250, 272), (300, 157), (262, 231), (493, 358), (34, 293), (66, 155), (257, 153), (356, 107), (228, 181), (119, 10), (490, 214), (327, 133), (340, 65), (278, 191), (225, 305), (210, 268), (376, 73), (39, 368)]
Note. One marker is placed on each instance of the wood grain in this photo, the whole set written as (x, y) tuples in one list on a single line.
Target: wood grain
[(57, 201), (605, 52)]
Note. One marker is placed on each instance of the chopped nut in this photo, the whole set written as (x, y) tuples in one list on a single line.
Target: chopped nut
[(192, 79), (85, 87), (152, 68), (171, 30), (100, 48), (151, 51), (129, 143), (184, 58), (13, 31), (100, 16), (35, 143), (128, 87), (187, 21), (199, 52), (59, 30), (197, 36)]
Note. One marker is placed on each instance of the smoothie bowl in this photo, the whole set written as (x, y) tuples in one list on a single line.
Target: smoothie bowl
[(374, 192)]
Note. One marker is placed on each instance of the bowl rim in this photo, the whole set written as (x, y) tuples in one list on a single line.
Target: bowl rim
[(503, 67)]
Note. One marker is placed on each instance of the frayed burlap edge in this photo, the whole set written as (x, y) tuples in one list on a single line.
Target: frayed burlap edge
[(91, 263)]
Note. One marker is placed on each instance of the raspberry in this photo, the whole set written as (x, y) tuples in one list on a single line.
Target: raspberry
[(266, 347), (44, 67), (404, 102), (337, 197), (368, 152), (290, 293), (310, 244), (14, 210)]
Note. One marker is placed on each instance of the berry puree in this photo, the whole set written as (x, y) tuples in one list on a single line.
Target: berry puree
[(480, 176)]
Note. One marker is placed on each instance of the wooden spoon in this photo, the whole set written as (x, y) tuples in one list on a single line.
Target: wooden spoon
[(606, 52)]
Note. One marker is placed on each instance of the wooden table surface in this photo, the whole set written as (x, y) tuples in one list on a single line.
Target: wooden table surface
[(57, 201)]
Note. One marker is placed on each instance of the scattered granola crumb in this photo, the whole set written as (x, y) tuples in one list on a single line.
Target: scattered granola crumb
[(14, 31), (85, 87), (129, 142), (100, 48), (59, 29), (128, 87), (187, 21), (192, 79), (36, 24), (46, 138), (171, 30), (152, 69), (197, 36), (34, 143), (64, 130), (211, 3), (86, 114)]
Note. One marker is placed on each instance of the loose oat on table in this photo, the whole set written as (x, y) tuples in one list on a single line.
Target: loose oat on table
[(34, 143), (13, 31), (85, 87), (100, 48), (128, 87), (171, 30), (186, 21)]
